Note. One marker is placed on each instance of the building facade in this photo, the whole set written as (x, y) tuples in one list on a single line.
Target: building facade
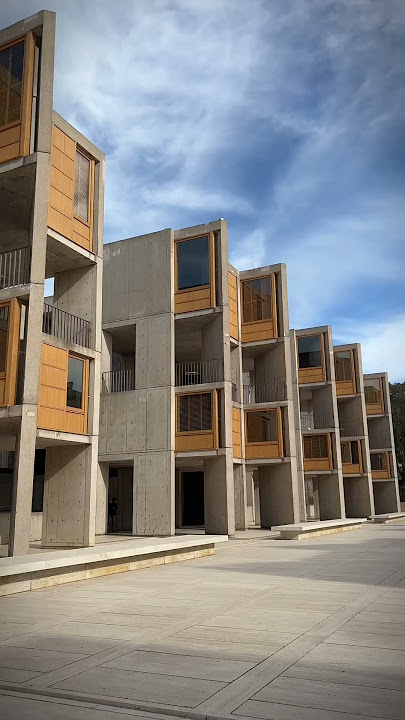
[(174, 386), (51, 227)]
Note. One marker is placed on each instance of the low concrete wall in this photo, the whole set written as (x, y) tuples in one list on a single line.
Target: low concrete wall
[(36, 527)]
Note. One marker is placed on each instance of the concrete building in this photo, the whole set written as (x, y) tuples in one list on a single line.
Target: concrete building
[(381, 441), (51, 226)]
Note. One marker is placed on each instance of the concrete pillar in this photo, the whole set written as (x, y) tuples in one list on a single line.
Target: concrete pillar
[(357, 497), (276, 495), (386, 498), (154, 493), (219, 496), (69, 497), (331, 503), (102, 498), (239, 475)]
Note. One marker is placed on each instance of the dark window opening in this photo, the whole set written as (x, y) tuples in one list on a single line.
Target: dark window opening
[(4, 318), (261, 426), (193, 499), (378, 461), (75, 383), (309, 351), (11, 82), (315, 447), (193, 263)]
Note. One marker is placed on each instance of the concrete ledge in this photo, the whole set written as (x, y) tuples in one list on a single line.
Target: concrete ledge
[(387, 517), (317, 529), (44, 569)]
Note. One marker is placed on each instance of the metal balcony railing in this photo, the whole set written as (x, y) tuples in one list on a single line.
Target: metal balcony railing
[(351, 429), (65, 326), (320, 422), (15, 267), (199, 372), (265, 393), (117, 381)]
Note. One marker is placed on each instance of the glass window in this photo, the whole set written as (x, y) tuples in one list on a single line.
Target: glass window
[(75, 383), (378, 461), (372, 391), (343, 366), (346, 455), (256, 299), (11, 77), (355, 452), (194, 412), (82, 187), (193, 263), (4, 317), (309, 351), (261, 426)]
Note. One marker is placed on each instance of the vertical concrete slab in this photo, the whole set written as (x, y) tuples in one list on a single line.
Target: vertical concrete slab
[(276, 495), (330, 491), (219, 495), (102, 498), (154, 493), (241, 499)]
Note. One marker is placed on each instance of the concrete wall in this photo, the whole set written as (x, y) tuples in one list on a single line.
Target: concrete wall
[(276, 495), (36, 527)]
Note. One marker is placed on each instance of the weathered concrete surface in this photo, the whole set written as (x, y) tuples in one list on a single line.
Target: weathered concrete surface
[(264, 629)]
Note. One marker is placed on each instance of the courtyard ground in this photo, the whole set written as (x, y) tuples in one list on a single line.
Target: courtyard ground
[(299, 630)]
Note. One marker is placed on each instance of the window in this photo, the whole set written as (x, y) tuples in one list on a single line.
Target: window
[(310, 351), (256, 300), (4, 319), (261, 426), (193, 263), (316, 446), (372, 392), (343, 366), (194, 412), (75, 383), (11, 80), (350, 453), (379, 461), (82, 187)]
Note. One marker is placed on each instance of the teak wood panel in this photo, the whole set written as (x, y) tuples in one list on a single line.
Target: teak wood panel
[(350, 468), (261, 329), (53, 413), (233, 306), (15, 138), (199, 298), (61, 217), (317, 464), (236, 433), (10, 347), (345, 387), (199, 439), (262, 450), (375, 409)]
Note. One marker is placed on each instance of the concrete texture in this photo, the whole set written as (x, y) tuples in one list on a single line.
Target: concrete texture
[(264, 629)]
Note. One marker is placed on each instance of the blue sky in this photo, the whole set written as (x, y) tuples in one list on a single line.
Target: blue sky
[(285, 117)]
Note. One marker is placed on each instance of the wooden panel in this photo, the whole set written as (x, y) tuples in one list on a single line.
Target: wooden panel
[(62, 192), (375, 409), (380, 474), (351, 469), (195, 441), (15, 139), (261, 330), (233, 306), (345, 387), (236, 433), (316, 464), (262, 451), (190, 300), (53, 414), (8, 389), (311, 375)]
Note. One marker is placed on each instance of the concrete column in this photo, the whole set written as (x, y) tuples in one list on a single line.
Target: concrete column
[(69, 497), (102, 498), (276, 495), (386, 497), (154, 493), (219, 496), (330, 490), (357, 497), (239, 475)]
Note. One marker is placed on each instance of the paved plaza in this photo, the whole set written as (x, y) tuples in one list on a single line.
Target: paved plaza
[(299, 630)]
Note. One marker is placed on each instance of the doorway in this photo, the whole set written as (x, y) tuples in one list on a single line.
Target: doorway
[(192, 496), (120, 487)]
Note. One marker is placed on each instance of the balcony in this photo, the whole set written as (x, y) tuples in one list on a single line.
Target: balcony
[(351, 429), (199, 372), (263, 434), (319, 422), (15, 267), (264, 393), (197, 421), (380, 466), (117, 381), (65, 326), (352, 463), (317, 453)]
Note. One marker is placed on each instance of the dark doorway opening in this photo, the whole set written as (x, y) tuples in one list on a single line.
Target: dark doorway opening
[(192, 499), (120, 499)]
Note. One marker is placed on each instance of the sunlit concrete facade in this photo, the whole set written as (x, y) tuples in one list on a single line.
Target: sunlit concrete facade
[(51, 226)]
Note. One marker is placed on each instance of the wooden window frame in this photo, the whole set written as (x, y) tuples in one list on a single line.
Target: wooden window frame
[(214, 414), (279, 441), (349, 443), (90, 208), (273, 302), (12, 351), (85, 393), (27, 88), (352, 369), (211, 262), (313, 367), (386, 454), (381, 402), (329, 451)]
